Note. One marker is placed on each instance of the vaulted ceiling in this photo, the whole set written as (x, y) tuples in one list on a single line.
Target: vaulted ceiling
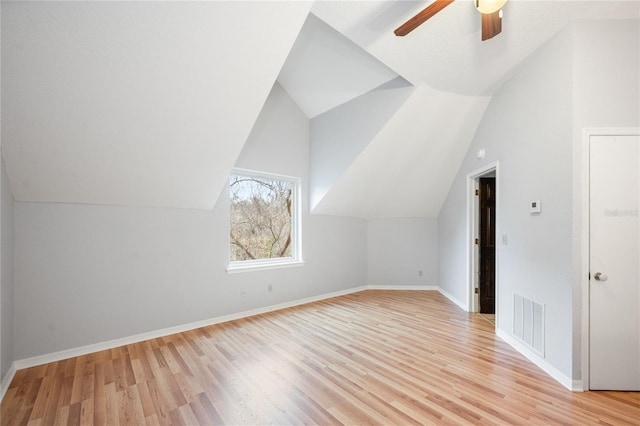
[(136, 103), (150, 103)]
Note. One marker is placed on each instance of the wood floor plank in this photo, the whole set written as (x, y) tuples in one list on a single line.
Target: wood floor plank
[(111, 407), (373, 357), (99, 408), (87, 413), (62, 416), (74, 414), (160, 400)]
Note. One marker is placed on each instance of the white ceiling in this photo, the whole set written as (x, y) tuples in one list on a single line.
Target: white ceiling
[(446, 52), (453, 72), (325, 69), (408, 167), (150, 103), (135, 103)]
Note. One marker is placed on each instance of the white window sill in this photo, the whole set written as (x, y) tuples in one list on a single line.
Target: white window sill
[(250, 266)]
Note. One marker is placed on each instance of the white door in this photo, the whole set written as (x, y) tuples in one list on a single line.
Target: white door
[(614, 353)]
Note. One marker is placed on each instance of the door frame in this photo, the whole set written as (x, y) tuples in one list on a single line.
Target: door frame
[(473, 224), (583, 174)]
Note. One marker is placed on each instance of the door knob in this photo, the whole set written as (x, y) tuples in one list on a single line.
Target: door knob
[(599, 276)]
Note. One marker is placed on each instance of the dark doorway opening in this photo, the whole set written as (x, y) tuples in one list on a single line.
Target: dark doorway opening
[(487, 243)]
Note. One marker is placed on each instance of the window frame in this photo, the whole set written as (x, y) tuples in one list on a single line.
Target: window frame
[(296, 226)]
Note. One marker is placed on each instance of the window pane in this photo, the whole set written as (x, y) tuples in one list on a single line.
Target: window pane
[(261, 221)]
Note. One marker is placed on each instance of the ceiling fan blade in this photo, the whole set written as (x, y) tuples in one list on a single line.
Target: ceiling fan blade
[(421, 17), (491, 25)]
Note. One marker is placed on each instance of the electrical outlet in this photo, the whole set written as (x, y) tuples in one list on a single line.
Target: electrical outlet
[(270, 288), (243, 292), (420, 273)]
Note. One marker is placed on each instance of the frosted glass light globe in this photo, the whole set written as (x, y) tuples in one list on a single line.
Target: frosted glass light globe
[(489, 6)]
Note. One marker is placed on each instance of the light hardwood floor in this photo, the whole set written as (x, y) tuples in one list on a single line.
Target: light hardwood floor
[(374, 357)]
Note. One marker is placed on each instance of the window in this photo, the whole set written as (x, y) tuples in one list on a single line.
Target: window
[(265, 220)]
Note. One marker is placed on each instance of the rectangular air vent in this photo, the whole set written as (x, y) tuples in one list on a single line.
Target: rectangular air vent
[(528, 323)]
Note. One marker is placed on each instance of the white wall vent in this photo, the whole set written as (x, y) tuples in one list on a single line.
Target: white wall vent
[(528, 323)]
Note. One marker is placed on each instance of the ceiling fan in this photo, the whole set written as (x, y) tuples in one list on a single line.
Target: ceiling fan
[(490, 10)]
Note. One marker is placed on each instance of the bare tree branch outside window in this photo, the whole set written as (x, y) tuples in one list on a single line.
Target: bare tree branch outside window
[(260, 218)]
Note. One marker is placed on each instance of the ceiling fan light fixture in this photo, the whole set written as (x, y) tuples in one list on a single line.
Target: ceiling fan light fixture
[(489, 6)]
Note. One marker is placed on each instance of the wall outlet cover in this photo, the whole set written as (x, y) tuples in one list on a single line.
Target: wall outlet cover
[(534, 206)]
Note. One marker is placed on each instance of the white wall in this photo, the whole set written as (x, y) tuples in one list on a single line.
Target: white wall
[(397, 249), (6, 273), (527, 127), (87, 274), (587, 76), (606, 68), (606, 93), (6, 268)]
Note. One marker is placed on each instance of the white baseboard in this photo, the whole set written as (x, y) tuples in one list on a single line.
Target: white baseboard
[(402, 287), (577, 386), (110, 344), (567, 382), (6, 380), (453, 299), (573, 385)]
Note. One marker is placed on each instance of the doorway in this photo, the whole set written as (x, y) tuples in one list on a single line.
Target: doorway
[(487, 245), (482, 228)]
